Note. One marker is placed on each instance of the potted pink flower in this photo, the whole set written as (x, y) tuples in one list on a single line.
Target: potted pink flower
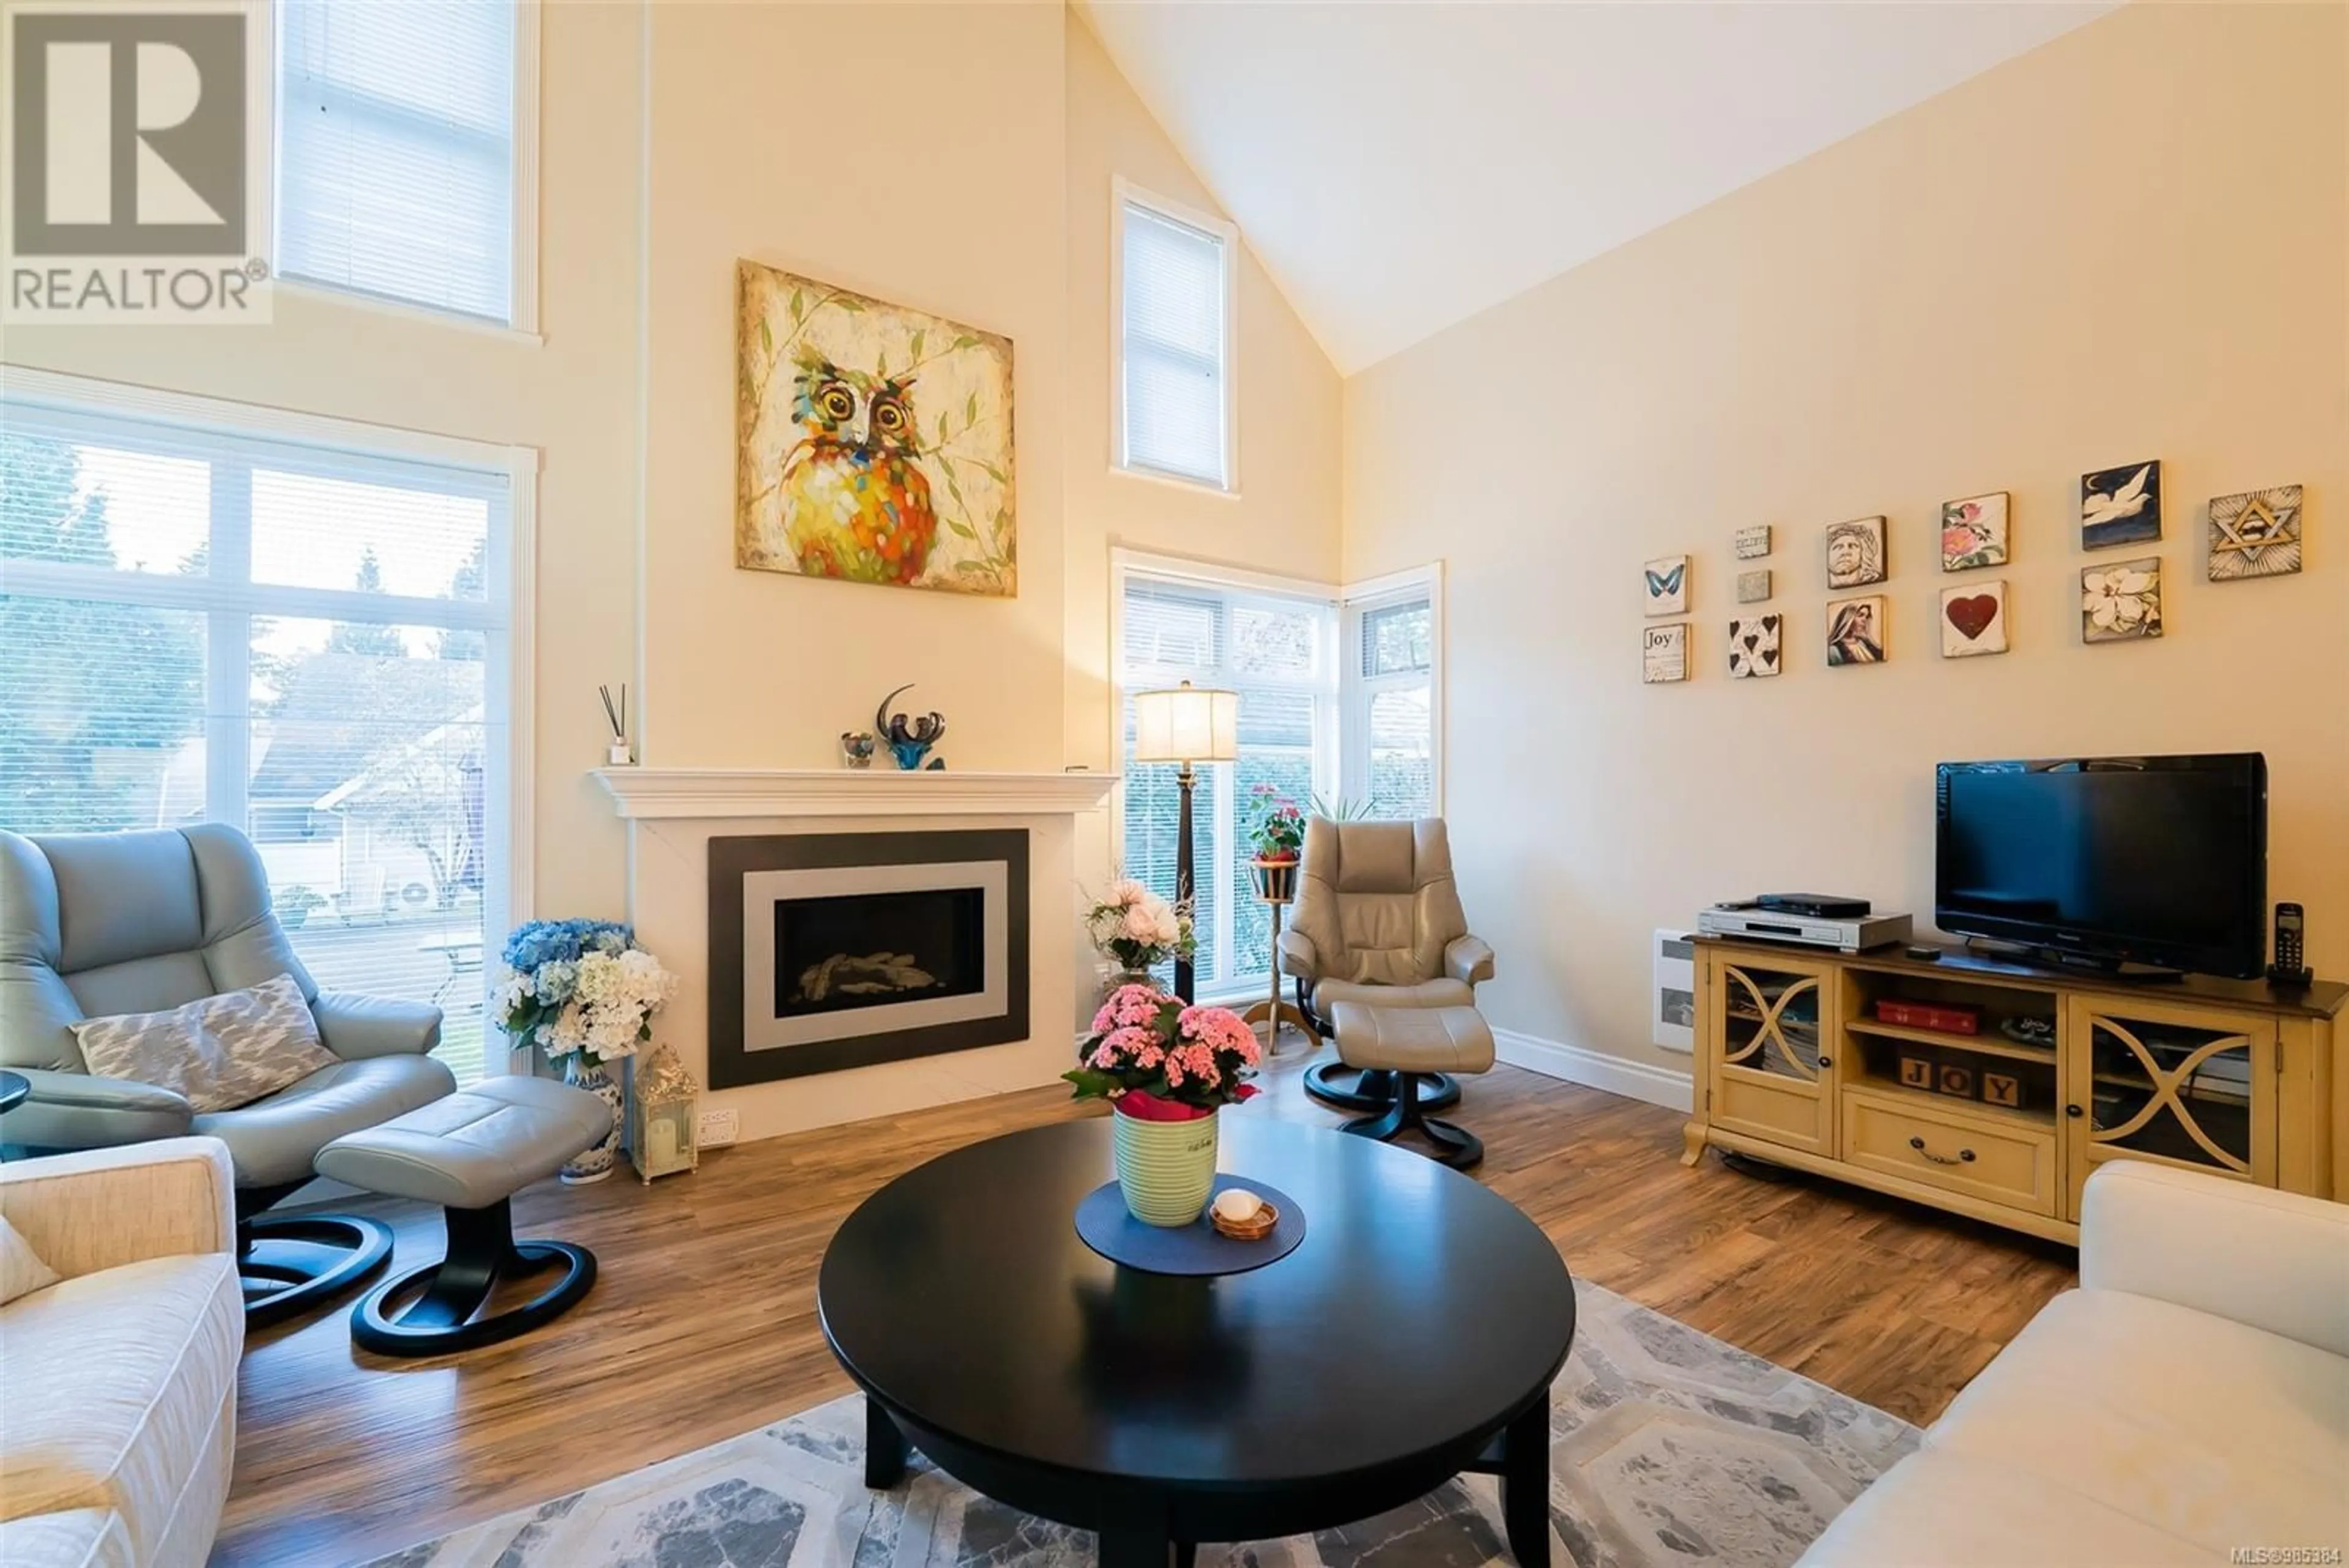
[(1166, 1069), (1277, 836)]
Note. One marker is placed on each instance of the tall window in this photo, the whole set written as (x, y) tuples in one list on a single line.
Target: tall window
[(1174, 417), (309, 641), (396, 140), (1389, 754), (1275, 651)]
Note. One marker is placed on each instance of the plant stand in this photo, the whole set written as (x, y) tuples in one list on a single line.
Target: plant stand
[(1272, 1013)]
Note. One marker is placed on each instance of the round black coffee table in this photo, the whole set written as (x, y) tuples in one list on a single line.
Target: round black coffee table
[(1414, 1335)]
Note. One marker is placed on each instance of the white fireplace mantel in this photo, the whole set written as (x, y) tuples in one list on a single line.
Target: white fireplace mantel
[(644, 792)]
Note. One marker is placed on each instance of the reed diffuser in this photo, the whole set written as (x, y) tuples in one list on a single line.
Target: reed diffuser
[(616, 713)]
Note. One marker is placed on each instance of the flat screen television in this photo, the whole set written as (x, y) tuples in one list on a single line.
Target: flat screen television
[(2111, 860)]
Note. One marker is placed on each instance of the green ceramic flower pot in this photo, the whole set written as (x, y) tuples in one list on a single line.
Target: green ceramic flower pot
[(1165, 1168)]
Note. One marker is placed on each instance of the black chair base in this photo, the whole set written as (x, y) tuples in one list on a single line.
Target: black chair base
[(289, 1263), (482, 1255), (1372, 1089), (1455, 1146)]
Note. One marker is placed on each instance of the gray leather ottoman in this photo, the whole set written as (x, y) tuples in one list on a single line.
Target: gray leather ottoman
[(471, 1152), (1415, 1043)]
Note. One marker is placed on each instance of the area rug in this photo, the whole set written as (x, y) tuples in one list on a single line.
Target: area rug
[(1667, 1447)]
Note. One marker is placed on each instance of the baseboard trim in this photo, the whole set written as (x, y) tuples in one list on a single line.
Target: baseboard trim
[(1671, 1089)]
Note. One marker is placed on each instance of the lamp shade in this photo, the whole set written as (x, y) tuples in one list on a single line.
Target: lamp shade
[(1186, 724)]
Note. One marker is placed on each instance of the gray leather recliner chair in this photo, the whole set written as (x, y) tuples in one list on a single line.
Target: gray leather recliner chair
[(93, 925), (1379, 922)]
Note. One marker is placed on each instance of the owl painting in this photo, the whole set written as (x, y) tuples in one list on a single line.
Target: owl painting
[(875, 441)]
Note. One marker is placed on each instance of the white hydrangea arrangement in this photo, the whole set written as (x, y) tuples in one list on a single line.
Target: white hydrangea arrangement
[(581, 986)]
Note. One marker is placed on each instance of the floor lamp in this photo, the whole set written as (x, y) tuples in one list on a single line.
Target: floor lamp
[(1185, 725)]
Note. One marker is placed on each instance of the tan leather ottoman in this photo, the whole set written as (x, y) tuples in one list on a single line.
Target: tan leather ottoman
[(1415, 1043)]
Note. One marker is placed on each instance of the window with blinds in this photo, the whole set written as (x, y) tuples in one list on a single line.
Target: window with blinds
[(310, 643), (1390, 760), (1174, 313), (1275, 651), (396, 150)]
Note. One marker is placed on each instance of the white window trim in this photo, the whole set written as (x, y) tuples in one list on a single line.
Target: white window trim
[(1122, 191), (523, 325), (1222, 847), (518, 466), (1355, 692)]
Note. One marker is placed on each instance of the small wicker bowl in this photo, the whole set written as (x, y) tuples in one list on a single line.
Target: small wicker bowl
[(1254, 1229)]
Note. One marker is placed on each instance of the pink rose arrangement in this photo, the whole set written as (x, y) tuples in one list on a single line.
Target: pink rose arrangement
[(1151, 1056), (1139, 929)]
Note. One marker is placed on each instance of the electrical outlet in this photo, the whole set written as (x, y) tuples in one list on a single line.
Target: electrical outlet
[(718, 1127)]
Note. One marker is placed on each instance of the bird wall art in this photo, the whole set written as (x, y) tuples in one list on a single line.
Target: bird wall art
[(874, 443), (2120, 506)]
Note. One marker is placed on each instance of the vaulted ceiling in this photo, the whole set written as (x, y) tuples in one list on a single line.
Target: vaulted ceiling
[(1400, 167)]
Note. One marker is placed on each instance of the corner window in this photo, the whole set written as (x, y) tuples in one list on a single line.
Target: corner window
[(401, 129), (212, 612), (1172, 395)]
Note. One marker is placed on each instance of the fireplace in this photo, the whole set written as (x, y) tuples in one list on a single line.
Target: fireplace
[(834, 950)]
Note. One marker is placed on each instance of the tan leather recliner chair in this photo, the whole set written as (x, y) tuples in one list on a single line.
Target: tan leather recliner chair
[(1378, 921)]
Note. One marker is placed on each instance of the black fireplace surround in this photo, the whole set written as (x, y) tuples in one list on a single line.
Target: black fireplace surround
[(936, 933)]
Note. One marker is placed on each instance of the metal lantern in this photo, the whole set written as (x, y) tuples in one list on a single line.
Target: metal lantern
[(666, 1118)]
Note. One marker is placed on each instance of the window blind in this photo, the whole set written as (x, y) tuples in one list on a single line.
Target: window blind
[(1271, 649), (1175, 387), (396, 144), (309, 643), (1391, 715)]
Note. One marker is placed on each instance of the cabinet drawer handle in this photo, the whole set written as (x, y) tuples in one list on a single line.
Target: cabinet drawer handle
[(1963, 1156)]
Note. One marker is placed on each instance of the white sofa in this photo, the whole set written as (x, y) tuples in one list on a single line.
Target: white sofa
[(2190, 1398), (119, 1383)]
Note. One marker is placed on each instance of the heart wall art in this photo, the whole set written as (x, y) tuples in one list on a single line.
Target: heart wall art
[(1667, 584), (1754, 650), (1974, 620)]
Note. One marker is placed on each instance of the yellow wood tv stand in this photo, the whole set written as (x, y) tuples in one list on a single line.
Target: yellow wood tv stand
[(1795, 1064)]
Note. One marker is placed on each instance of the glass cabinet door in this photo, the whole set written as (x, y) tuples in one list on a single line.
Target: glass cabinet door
[(1771, 1074), (2181, 1086)]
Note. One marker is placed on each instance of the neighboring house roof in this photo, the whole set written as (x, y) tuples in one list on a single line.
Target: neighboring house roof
[(341, 715)]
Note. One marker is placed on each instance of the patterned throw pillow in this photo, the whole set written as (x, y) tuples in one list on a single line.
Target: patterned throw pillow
[(223, 1052)]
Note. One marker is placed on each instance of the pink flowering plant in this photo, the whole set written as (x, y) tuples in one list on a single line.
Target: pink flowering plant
[(1278, 833), (1152, 1056)]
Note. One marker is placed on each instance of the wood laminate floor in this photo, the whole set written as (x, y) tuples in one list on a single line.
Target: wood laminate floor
[(702, 1322)]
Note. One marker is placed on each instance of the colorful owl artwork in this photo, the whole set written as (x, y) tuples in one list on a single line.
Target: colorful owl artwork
[(875, 443)]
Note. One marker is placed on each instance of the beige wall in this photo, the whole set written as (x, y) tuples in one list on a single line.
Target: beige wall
[(573, 397), (678, 137), (2127, 245), (1285, 516)]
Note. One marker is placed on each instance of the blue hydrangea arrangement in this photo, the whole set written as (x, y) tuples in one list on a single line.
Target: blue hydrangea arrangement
[(542, 971)]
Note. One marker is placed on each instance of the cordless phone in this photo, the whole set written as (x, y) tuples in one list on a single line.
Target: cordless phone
[(2289, 969)]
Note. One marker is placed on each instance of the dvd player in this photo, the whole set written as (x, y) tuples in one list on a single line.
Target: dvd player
[(1752, 919)]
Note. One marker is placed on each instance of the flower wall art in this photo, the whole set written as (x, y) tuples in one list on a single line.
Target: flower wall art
[(1974, 532), (2121, 602)]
